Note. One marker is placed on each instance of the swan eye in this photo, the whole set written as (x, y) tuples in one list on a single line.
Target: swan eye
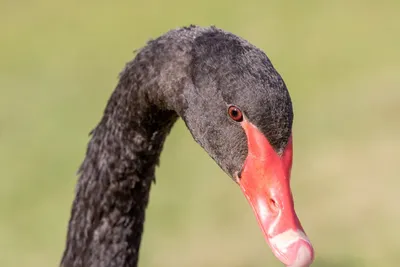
[(235, 113)]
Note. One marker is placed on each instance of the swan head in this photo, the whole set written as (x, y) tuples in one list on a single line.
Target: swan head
[(237, 107)]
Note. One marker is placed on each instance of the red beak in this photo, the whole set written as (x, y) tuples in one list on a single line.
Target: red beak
[(265, 181)]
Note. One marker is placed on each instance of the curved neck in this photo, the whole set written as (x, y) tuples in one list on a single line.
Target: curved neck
[(112, 192)]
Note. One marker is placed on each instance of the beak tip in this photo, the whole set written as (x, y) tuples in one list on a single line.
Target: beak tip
[(304, 254), (292, 248)]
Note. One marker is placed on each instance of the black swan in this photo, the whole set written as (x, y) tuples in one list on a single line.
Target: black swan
[(236, 107)]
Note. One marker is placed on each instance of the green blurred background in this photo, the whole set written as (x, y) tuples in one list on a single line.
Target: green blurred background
[(59, 64)]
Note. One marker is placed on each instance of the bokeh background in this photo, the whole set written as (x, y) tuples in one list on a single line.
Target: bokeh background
[(341, 61)]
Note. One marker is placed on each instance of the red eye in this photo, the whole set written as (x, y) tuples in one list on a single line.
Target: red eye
[(235, 113)]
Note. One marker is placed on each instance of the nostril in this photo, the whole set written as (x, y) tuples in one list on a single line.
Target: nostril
[(273, 204)]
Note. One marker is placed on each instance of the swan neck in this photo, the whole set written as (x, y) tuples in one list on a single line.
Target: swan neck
[(113, 188)]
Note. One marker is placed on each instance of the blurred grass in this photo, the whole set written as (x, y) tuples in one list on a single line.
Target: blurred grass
[(340, 60)]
